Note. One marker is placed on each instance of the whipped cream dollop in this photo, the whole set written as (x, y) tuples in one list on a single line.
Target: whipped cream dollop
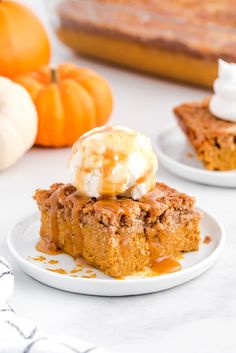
[(223, 102), (113, 160)]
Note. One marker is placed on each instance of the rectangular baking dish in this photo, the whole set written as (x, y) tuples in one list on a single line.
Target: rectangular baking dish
[(180, 40)]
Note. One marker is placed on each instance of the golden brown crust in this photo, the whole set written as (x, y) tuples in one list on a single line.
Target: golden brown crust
[(213, 139), (121, 235), (120, 211), (197, 117)]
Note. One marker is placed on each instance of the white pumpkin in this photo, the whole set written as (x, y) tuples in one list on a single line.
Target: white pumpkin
[(18, 122)]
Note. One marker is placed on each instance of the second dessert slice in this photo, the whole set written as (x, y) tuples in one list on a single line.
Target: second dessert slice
[(210, 125)]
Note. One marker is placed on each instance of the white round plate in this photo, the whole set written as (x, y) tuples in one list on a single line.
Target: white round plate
[(24, 235), (176, 155)]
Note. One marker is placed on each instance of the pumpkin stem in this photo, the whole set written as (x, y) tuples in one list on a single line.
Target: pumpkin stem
[(54, 76)]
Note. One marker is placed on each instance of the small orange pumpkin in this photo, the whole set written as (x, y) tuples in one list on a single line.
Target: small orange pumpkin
[(24, 44), (70, 101)]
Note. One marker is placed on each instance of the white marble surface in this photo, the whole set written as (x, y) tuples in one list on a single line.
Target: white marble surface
[(199, 316)]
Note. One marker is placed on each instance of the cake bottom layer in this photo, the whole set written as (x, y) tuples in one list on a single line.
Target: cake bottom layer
[(121, 251), (155, 60)]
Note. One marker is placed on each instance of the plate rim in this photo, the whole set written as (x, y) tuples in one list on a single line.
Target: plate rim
[(202, 172), (205, 262)]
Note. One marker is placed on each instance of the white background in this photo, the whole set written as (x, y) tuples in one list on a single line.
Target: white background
[(198, 317)]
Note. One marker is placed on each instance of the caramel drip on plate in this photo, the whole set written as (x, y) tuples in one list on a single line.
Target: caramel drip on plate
[(75, 270), (53, 262), (39, 258), (61, 271), (165, 265), (207, 239), (90, 276), (45, 246)]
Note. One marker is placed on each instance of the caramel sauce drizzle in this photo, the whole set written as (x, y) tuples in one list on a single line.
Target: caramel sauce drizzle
[(54, 203), (50, 245), (109, 204), (164, 265), (53, 262), (207, 239), (108, 160), (90, 276), (71, 273), (45, 246), (77, 234), (61, 271), (39, 258), (108, 188), (146, 176), (75, 270), (189, 155)]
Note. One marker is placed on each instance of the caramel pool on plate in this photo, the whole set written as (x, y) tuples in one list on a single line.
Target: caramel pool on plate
[(165, 265)]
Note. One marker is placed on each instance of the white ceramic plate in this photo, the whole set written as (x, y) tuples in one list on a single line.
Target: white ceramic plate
[(24, 235), (176, 154)]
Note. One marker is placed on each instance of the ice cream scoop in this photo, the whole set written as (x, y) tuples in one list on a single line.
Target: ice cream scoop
[(111, 161)]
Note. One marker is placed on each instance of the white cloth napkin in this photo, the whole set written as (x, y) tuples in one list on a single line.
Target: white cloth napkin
[(19, 335)]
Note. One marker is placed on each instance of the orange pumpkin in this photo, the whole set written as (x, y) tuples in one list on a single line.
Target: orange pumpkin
[(70, 101), (24, 44)]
